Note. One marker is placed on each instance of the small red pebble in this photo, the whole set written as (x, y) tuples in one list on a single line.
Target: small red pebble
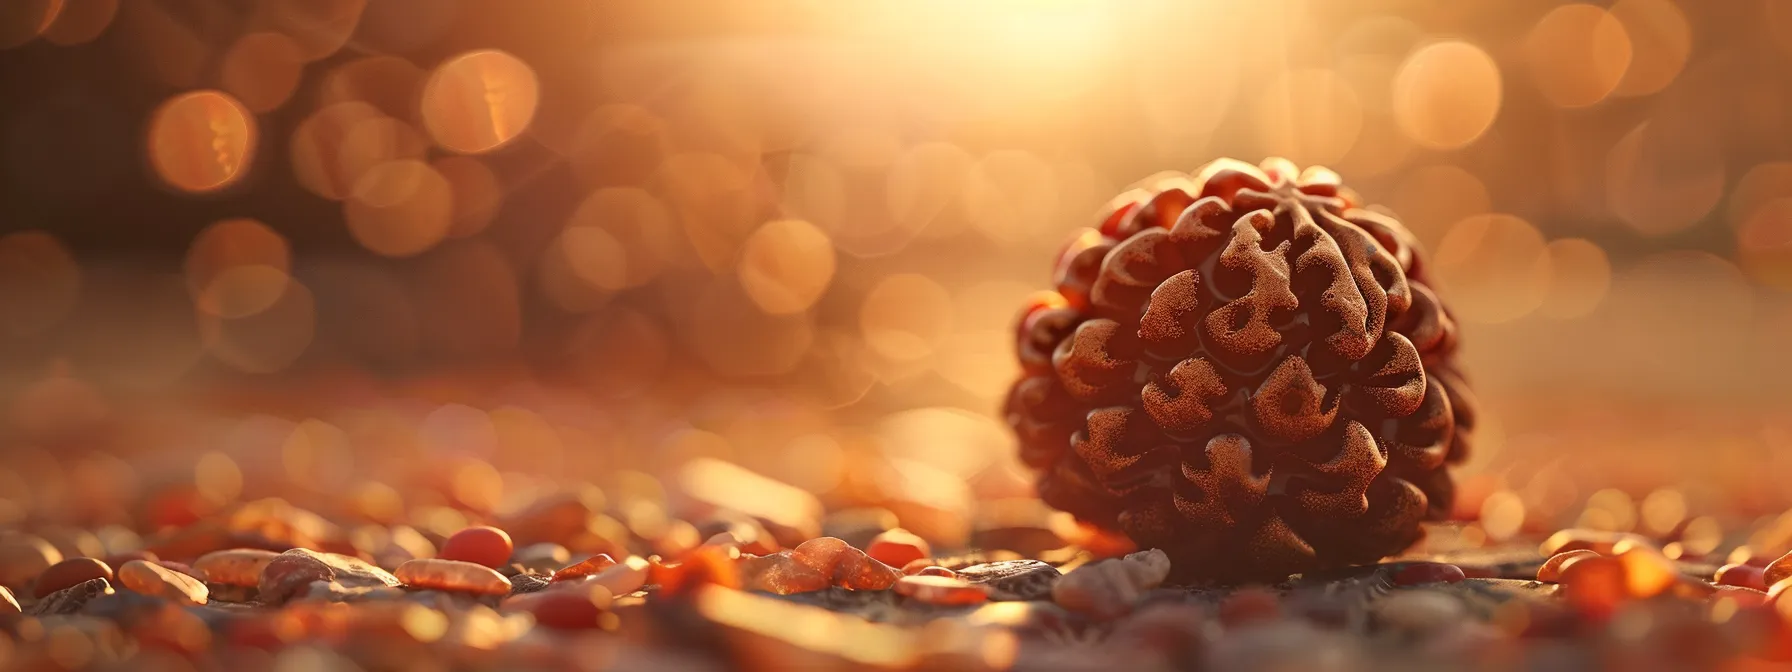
[(1551, 571), (71, 572), (1249, 605), (1428, 572), (1595, 586), (479, 545), (1741, 576), (570, 609), (586, 567), (941, 590), (936, 570), (898, 547)]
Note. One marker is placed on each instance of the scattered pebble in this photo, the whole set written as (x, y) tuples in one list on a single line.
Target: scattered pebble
[(452, 576), (586, 567), (1011, 579), (70, 572), (898, 547), (70, 600), (153, 579), (1107, 589), (290, 574), (1551, 571), (234, 567), (480, 545), (940, 590), (571, 609), (23, 557), (1740, 576)]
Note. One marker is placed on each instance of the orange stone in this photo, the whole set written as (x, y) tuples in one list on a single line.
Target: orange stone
[(941, 590), (452, 575), (234, 567), (1647, 572), (480, 545), (71, 572), (936, 570), (898, 547), (570, 609), (155, 580), (1778, 570), (1741, 576), (1595, 586), (585, 568), (1598, 541), (1551, 571)]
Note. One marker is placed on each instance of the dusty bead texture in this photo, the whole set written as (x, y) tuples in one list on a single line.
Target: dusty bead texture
[(1245, 368)]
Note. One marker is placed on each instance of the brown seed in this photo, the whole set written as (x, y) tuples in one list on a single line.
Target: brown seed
[(153, 579), (941, 590), (1551, 571), (70, 572), (234, 567), (898, 547), (586, 567), (1741, 576), (23, 557), (452, 575), (8, 604)]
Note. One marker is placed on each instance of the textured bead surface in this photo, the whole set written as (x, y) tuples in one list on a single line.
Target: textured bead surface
[(1247, 369)]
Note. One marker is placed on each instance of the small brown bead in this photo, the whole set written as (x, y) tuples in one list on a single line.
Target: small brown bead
[(70, 572), (1551, 571)]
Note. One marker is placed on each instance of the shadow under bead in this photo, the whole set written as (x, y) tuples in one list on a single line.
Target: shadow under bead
[(1248, 369)]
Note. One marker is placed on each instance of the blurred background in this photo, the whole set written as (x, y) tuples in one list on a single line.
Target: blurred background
[(468, 250)]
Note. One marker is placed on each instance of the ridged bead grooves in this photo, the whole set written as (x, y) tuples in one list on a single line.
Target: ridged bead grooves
[(1247, 369)]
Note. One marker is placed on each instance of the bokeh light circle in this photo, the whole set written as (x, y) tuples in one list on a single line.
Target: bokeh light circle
[(201, 141), (213, 260), (786, 265), (1446, 94), (1661, 41), (1578, 54), (1579, 276), (400, 208), (905, 316), (478, 101), (1493, 268), (80, 21), (262, 70)]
